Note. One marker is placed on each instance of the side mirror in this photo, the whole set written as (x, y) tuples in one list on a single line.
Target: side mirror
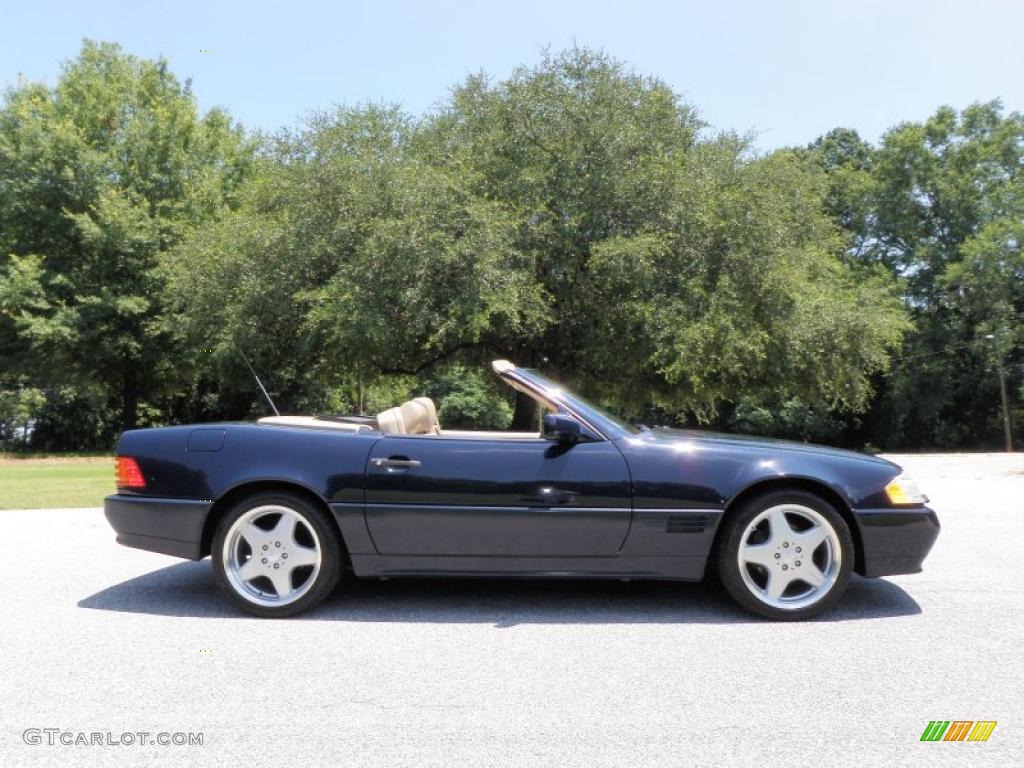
[(561, 428)]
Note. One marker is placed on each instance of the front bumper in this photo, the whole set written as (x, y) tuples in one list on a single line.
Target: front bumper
[(169, 526), (895, 540)]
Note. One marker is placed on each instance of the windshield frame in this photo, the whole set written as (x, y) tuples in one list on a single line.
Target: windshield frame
[(607, 425)]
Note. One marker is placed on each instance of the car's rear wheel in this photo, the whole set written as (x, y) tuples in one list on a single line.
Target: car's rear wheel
[(786, 555), (276, 554)]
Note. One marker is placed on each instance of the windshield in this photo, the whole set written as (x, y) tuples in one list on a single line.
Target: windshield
[(612, 426)]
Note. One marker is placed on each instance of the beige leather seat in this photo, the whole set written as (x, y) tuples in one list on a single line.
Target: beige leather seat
[(427, 403), (413, 417), (416, 418), (391, 421)]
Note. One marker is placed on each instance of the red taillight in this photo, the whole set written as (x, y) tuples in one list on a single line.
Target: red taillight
[(128, 473)]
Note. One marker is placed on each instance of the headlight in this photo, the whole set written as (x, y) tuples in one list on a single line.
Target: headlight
[(903, 490)]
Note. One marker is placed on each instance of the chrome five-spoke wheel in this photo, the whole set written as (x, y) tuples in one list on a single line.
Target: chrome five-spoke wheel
[(789, 556), (272, 555), (785, 554), (276, 554)]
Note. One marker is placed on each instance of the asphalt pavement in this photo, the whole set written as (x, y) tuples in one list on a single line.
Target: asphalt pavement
[(97, 638)]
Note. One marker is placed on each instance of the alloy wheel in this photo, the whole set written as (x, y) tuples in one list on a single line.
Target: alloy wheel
[(272, 555), (789, 556)]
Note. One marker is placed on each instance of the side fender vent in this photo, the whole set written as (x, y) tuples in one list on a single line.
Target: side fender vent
[(686, 524)]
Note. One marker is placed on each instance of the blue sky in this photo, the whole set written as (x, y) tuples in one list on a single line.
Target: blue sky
[(786, 70)]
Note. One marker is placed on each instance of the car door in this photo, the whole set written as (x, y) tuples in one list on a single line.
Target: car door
[(488, 496)]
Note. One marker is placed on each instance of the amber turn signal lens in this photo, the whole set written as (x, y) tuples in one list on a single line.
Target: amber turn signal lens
[(128, 473), (903, 490)]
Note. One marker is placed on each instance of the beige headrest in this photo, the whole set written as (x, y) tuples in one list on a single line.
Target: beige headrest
[(391, 421), (427, 403), (416, 418)]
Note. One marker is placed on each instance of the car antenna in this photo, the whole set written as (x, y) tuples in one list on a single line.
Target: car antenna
[(260, 383)]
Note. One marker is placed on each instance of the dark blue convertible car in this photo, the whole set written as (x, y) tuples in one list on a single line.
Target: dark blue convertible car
[(291, 505)]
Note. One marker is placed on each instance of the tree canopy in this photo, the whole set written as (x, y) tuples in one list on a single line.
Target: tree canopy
[(99, 175), (576, 216), (941, 205)]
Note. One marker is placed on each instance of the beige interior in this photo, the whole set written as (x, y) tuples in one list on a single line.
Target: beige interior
[(426, 402), (416, 417), (413, 417), (391, 422), (419, 417)]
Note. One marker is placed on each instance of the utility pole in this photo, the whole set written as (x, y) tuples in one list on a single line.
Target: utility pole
[(1002, 396), (1006, 407)]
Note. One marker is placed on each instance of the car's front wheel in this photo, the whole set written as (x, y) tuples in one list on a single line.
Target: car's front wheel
[(786, 555), (276, 554)]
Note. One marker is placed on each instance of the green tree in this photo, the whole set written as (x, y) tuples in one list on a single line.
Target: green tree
[(761, 307), (99, 176), (468, 398), (990, 282), (848, 161), (677, 269), (574, 216), (940, 203), (351, 256)]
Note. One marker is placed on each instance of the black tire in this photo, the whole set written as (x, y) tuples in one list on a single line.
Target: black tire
[(750, 593), (321, 579)]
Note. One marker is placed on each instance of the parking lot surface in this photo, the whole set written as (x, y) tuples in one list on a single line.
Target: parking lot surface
[(99, 638)]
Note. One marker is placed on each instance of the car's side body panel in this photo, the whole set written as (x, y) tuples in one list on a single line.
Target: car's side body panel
[(494, 497), (693, 470), (684, 480), (645, 506), (329, 464), (674, 568), (189, 468)]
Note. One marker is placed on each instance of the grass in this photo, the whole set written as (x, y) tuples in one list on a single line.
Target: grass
[(55, 481)]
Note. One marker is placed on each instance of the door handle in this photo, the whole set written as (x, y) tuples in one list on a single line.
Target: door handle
[(395, 463)]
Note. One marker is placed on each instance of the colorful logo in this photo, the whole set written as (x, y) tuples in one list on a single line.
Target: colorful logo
[(958, 730)]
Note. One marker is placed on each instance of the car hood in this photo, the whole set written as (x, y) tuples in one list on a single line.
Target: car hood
[(749, 441)]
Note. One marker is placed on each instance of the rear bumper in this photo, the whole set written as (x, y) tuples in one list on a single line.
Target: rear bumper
[(169, 526), (896, 540)]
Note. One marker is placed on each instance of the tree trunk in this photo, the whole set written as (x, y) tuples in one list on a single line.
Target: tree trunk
[(129, 398), (360, 393), (524, 419), (1007, 433)]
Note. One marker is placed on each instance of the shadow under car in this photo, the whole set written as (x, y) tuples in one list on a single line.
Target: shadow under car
[(188, 589)]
